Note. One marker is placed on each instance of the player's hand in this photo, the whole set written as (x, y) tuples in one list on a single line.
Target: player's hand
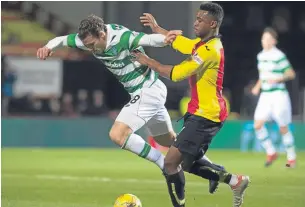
[(43, 53), (149, 20), (140, 57), (255, 91), (171, 36)]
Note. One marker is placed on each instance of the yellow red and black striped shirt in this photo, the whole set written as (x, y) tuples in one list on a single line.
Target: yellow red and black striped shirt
[(205, 70)]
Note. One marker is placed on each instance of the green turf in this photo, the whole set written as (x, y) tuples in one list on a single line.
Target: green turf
[(95, 177)]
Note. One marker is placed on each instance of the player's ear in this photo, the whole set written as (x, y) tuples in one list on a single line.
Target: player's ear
[(213, 24), (102, 34)]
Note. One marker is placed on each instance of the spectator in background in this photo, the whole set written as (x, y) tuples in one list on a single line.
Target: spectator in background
[(54, 106), (67, 108), (7, 88), (98, 106), (35, 105), (82, 101), (249, 101)]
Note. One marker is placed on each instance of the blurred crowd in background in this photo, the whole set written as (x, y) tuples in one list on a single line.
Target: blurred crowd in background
[(78, 85)]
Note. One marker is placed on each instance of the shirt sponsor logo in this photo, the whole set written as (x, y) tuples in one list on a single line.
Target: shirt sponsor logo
[(197, 59)]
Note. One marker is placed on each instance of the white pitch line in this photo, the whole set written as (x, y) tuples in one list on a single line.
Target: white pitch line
[(126, 180)]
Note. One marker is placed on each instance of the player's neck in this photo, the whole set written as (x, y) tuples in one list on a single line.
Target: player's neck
[(212, 33), (269, 49)]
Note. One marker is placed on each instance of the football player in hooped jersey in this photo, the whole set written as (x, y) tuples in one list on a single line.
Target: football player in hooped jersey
[(112, 44), (274, 101), (207, 109)]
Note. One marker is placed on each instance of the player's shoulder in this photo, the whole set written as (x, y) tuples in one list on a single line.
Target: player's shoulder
[(117, 29), (279, 53), (211, 48)]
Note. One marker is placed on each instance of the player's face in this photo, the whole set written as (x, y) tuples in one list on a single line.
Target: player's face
[(95, 44), (268, 41), (203, 24)]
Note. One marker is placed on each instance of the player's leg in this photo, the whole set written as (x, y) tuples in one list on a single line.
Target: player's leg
[(175, 177), (282, 115), (160, 128), (123, 135), (261, 115), (131, 119), (195, 138)]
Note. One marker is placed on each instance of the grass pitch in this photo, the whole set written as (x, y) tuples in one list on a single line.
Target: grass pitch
[(95, 177)]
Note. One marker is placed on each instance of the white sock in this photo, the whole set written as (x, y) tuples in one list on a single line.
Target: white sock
[(288, 141), (262, 135), (137, 145), (234, 180)]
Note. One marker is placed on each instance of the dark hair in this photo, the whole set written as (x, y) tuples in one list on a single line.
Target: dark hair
[(92, 25), (215, 10), (271, 31)]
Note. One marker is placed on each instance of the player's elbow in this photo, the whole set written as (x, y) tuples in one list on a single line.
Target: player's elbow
[(292, 75)]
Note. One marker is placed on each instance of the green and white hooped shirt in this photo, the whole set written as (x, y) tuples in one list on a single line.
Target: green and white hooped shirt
[(117, 56), (272, 64)]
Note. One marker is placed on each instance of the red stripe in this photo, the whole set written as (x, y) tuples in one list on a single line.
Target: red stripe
[(223, 114), (193, 104)]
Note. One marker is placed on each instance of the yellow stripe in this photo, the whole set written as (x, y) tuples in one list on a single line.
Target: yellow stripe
[(180, 202)]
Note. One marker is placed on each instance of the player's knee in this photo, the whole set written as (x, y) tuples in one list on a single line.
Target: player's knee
[(119, 134), (169, 165), (187, 162), (283, 129), (258, 125), (165, 140)]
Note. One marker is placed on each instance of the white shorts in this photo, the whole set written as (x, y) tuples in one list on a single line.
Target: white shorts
[(274, 106), (146, 108)]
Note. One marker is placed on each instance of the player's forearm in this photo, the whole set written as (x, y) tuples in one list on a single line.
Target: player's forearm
[(288, 75), (160, 30), (57, 42), (152, 40), (163, 70), (258, 84)]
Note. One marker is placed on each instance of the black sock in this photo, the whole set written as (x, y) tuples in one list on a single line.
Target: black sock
[(213, 166), (175, 184), (210, 172)]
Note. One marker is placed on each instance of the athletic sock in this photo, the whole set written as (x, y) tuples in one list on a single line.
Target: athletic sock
[(136, 144), (288, 141), (175, 184), (262, 135)]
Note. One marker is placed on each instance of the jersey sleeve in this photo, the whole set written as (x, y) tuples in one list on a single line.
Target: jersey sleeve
[(74, 41), (185, 69), (184, 45), (204, 57), (283, 63), (130, 39)]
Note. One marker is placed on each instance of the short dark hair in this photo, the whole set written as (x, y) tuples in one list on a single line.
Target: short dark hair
[(92, 25), (271, 31), (214, 10)]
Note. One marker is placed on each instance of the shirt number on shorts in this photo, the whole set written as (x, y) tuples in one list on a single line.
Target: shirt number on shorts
[(135, 99)]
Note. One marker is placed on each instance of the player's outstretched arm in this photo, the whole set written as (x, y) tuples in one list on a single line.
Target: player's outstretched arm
[(149, 20), (47, 51), (175, 73), (181, 43)]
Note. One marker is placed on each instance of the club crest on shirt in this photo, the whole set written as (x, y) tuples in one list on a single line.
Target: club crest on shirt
[(197, 59)]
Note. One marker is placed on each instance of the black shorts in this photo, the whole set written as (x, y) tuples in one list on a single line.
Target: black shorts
[(196, 134)]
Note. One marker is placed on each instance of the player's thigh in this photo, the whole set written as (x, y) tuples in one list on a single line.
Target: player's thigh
[(119, 132), (196, 135), (142, 106), (281, 111), (129, 114), (263, 108), (160, 128)]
